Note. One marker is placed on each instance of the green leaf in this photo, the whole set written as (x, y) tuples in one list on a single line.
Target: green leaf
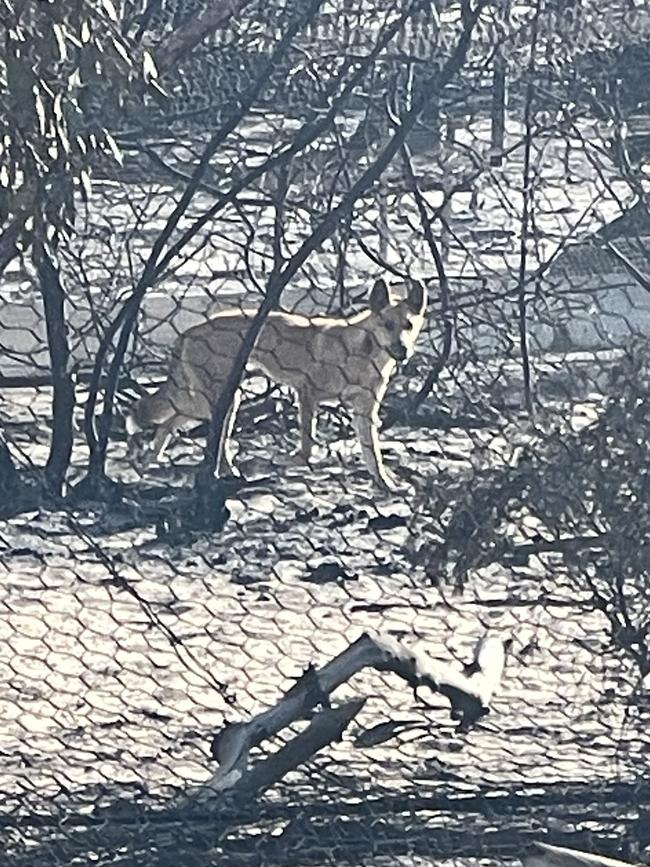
[(86, 183), (110, 9), (114, 148), (40, 110), (57, 107), (71, 36), (149, 68), (121, 49), (63, 138), (59, 34)]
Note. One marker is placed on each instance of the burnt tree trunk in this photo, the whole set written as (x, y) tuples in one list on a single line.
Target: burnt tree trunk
[(499, 96), (9, 479), (9, 238), (63, 391), (498, 112)]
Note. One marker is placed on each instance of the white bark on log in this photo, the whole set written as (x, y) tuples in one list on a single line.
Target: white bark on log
[(469, 694), (326, 727), (557, 856)]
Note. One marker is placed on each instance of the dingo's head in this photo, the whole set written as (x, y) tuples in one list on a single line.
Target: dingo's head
[(397, 324), (143, 421), (150, 411), (140, 430)]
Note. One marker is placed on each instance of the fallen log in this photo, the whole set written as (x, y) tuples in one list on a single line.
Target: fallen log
[(558, 856), (469, 690)]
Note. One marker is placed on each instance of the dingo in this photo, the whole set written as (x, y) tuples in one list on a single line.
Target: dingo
[(325, 359)]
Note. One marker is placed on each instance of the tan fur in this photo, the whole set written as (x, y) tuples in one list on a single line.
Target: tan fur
[(325, 359)]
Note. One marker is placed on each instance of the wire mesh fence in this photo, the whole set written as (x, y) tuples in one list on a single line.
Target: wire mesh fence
[(324, 452)]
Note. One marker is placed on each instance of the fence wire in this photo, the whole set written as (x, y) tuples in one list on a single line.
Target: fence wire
[(420, 634)]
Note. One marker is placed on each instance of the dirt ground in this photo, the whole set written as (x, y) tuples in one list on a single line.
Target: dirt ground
[(121, 654), (110, 694)]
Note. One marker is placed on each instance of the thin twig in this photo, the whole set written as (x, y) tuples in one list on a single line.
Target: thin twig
[(527, 215)]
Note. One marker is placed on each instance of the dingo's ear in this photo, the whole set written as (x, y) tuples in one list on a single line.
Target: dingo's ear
[(416, 297), (379, 297)]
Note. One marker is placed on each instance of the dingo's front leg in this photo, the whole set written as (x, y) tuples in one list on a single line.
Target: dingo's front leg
[(307, 423), (367, 428), (144, 446), (160, 441)]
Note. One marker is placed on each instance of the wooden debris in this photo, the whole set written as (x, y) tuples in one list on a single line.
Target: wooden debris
[(468, 693), (557, 856)]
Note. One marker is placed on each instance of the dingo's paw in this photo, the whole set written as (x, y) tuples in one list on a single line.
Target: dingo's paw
[(297, 459), (390, 484)]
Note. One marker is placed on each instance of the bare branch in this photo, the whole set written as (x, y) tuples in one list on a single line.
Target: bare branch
[(642, 279), (195, 29)]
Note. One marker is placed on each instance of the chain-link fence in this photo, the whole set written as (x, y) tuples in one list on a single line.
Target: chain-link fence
[(324, 451)]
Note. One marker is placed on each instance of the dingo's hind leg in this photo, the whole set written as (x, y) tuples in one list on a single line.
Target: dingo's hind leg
[(367, 428)]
